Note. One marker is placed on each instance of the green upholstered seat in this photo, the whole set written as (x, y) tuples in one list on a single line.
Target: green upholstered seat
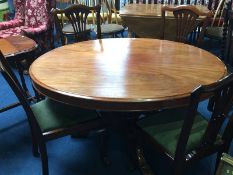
[(52, 115), (214, 32), (165, 128), (225, 166)]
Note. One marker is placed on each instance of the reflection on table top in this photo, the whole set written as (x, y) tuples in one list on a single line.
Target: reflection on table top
[(124, 73), (149, 10), (15, 45)]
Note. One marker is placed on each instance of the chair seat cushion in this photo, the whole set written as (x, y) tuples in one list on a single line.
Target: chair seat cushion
[(111, 28), (165, 127), (53, 115), (68, 29), (214, 32)]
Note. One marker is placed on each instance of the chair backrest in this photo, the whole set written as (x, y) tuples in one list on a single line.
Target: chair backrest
[(77, 16), (222, 94), (19, 9), (218, 9), (227, 34), (64, 3), (186, 20), (36, 13), (11, 79)]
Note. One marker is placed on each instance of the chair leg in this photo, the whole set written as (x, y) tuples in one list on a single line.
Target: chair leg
[(178, 167), (210, 106), (219, 154), (104, 148), (143, 165), (122, 34), (35, 148), (44, 158)]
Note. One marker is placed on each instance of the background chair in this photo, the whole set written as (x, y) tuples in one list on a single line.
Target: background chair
[(186, 22), (110, 20), (77, 18), (184, 135), (227, 37), (214, 32), (49, 119)]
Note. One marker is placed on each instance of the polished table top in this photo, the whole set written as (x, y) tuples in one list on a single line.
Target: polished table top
[(124, 73), (145, 20), (151, 10), (15, 45)]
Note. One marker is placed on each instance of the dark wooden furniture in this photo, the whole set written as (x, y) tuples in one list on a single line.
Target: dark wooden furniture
[(227, 36), (77, 17), (16, 49), (184, 135), (214, 32), (186, 17), (145, 19), (110, 26), (50, 119), (15, 45), (125, 74)]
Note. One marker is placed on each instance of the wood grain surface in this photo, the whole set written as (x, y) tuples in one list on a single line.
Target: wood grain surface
[(125, 74), (15, 45), (151, 10), (145, 20)]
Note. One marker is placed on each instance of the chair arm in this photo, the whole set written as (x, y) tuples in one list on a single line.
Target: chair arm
[(10, 24)]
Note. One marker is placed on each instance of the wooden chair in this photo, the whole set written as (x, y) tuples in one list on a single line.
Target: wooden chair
[(184, 135), (214, 31), (227, 37), (110, 25), (50, 119), (77, 18), (186, 21), (109, 18)]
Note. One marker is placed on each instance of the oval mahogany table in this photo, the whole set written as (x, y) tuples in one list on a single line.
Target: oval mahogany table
[(125, 74)]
